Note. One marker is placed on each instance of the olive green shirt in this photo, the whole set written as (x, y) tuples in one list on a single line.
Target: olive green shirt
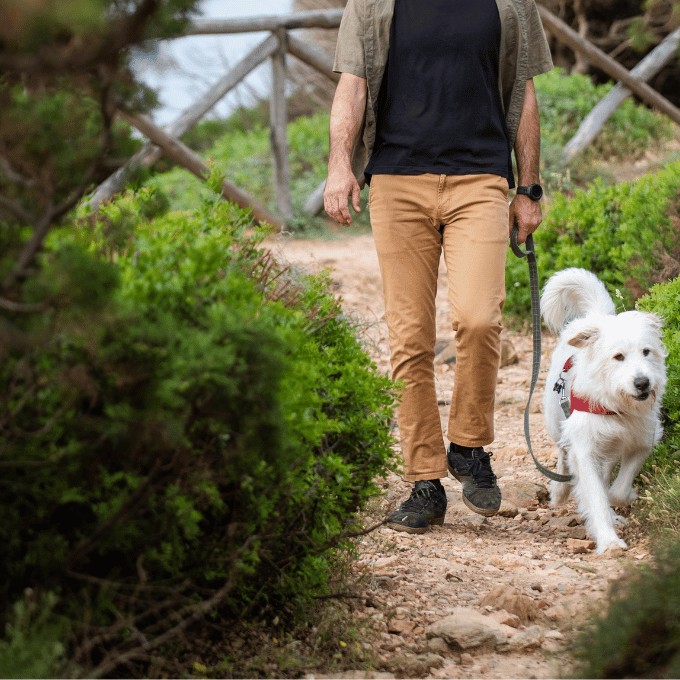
[(364, 40)]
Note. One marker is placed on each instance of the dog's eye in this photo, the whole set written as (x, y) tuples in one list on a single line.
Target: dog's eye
[(645, 352), (619, 357)]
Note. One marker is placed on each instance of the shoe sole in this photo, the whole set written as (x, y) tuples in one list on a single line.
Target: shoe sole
[(439, 521), (487, 512)]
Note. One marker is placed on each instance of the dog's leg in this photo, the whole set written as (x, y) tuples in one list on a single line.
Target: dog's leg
[(559, 491), (591, 497), (622, 492)]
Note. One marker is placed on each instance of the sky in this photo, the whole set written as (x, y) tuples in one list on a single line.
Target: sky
[(184, 68)]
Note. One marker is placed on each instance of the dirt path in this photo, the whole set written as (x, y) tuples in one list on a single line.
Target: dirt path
[(478, 597)]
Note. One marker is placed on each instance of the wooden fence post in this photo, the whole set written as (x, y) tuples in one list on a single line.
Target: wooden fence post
[(277, 126)]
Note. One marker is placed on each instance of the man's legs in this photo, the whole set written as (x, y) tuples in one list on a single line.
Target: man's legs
[(408, 241), (475, 212)]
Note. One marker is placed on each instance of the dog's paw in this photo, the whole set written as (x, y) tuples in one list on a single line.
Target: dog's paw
[(609, 545), (559, 493), (619, 521)]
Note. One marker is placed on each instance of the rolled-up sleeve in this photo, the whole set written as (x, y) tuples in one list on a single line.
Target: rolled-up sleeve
[(539, 58), (349, 51)]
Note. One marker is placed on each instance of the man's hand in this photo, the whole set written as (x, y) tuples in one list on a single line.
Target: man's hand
[(340, 184), (347, 114), (527, 214)]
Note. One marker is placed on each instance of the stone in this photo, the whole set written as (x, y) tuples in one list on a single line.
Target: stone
[(523, 493), (473, 522), (467, 659), (437, 645), (409, 666), (466, 628), (507, 509), (563, 522), (509, 354), (447, 355), (578, 532), (400, 626), (579, 546), (505, 618), (527, 638), (509, 598)]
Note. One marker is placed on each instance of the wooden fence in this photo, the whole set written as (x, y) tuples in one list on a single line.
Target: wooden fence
[(282, 42)]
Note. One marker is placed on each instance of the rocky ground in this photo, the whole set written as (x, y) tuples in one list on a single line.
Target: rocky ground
[(478, 597)]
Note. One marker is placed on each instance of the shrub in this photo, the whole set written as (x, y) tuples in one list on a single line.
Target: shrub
[(664, 299), (564, 102), (627, 234), (192, 428), (639, 634)]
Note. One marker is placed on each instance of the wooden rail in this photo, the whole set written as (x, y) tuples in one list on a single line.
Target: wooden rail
[(275, 47)]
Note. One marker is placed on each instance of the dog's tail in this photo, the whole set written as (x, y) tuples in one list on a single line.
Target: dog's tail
[(571, 294)]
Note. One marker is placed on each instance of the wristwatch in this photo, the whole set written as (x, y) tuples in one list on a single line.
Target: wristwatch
[(533, 191)]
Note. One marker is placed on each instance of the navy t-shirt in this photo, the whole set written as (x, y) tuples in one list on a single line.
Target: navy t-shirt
[(439, 106)]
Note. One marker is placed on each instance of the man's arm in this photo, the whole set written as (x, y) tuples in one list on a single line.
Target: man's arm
[(527, 152), (347, 115)]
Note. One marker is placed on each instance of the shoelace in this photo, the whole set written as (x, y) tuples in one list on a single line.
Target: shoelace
[(480, 470), (418, 498)]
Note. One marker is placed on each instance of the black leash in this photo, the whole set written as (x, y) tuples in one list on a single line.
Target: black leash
[(530, 255)]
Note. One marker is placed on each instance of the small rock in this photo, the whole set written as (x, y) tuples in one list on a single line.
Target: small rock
[(509, 354), (437, 645), (510, 599), (385, 582), (579, 546), (527, 638), (554, 635), (505, 618), (474, 521), (507, 509), (537, 587), (563, 522), (466, 659), (447, 355), (578, 532), (399, 626), (409, 666), (524, 493), (466, 628)]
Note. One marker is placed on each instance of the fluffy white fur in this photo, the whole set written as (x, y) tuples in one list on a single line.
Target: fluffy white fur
[(619, 362)]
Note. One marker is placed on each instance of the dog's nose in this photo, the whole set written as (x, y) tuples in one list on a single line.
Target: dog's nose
[(641, 384)]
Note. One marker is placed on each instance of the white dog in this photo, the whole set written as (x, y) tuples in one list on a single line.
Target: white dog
[(611, 368)]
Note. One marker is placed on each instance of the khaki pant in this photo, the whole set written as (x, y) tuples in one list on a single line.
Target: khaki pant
[(412, 218)]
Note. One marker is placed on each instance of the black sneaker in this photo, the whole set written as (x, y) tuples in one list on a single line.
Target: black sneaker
[(480, 488), (426, 505)]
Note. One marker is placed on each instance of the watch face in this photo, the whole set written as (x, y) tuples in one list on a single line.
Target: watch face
[(535, 192)]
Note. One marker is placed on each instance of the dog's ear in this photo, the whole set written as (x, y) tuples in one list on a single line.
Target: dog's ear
[(584, 336), (654, 320)]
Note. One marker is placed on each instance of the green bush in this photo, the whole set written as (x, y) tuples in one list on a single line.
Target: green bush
[(639, 634), (191, 427), (623, 233), (665, 301), (565, 101)]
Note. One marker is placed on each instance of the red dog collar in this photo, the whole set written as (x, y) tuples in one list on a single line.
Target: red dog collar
[(578, 403)]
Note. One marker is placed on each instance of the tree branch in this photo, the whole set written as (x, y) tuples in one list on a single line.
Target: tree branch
[(16, 210)]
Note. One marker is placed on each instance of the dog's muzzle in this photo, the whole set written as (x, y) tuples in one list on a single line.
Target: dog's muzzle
[(642, 386)]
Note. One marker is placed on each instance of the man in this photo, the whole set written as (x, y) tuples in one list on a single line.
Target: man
[(432, 98)]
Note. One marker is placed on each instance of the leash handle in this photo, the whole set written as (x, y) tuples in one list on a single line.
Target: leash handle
[(530, 255), (515, 246)]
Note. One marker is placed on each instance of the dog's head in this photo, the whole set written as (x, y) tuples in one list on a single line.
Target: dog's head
[(620, 359)]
